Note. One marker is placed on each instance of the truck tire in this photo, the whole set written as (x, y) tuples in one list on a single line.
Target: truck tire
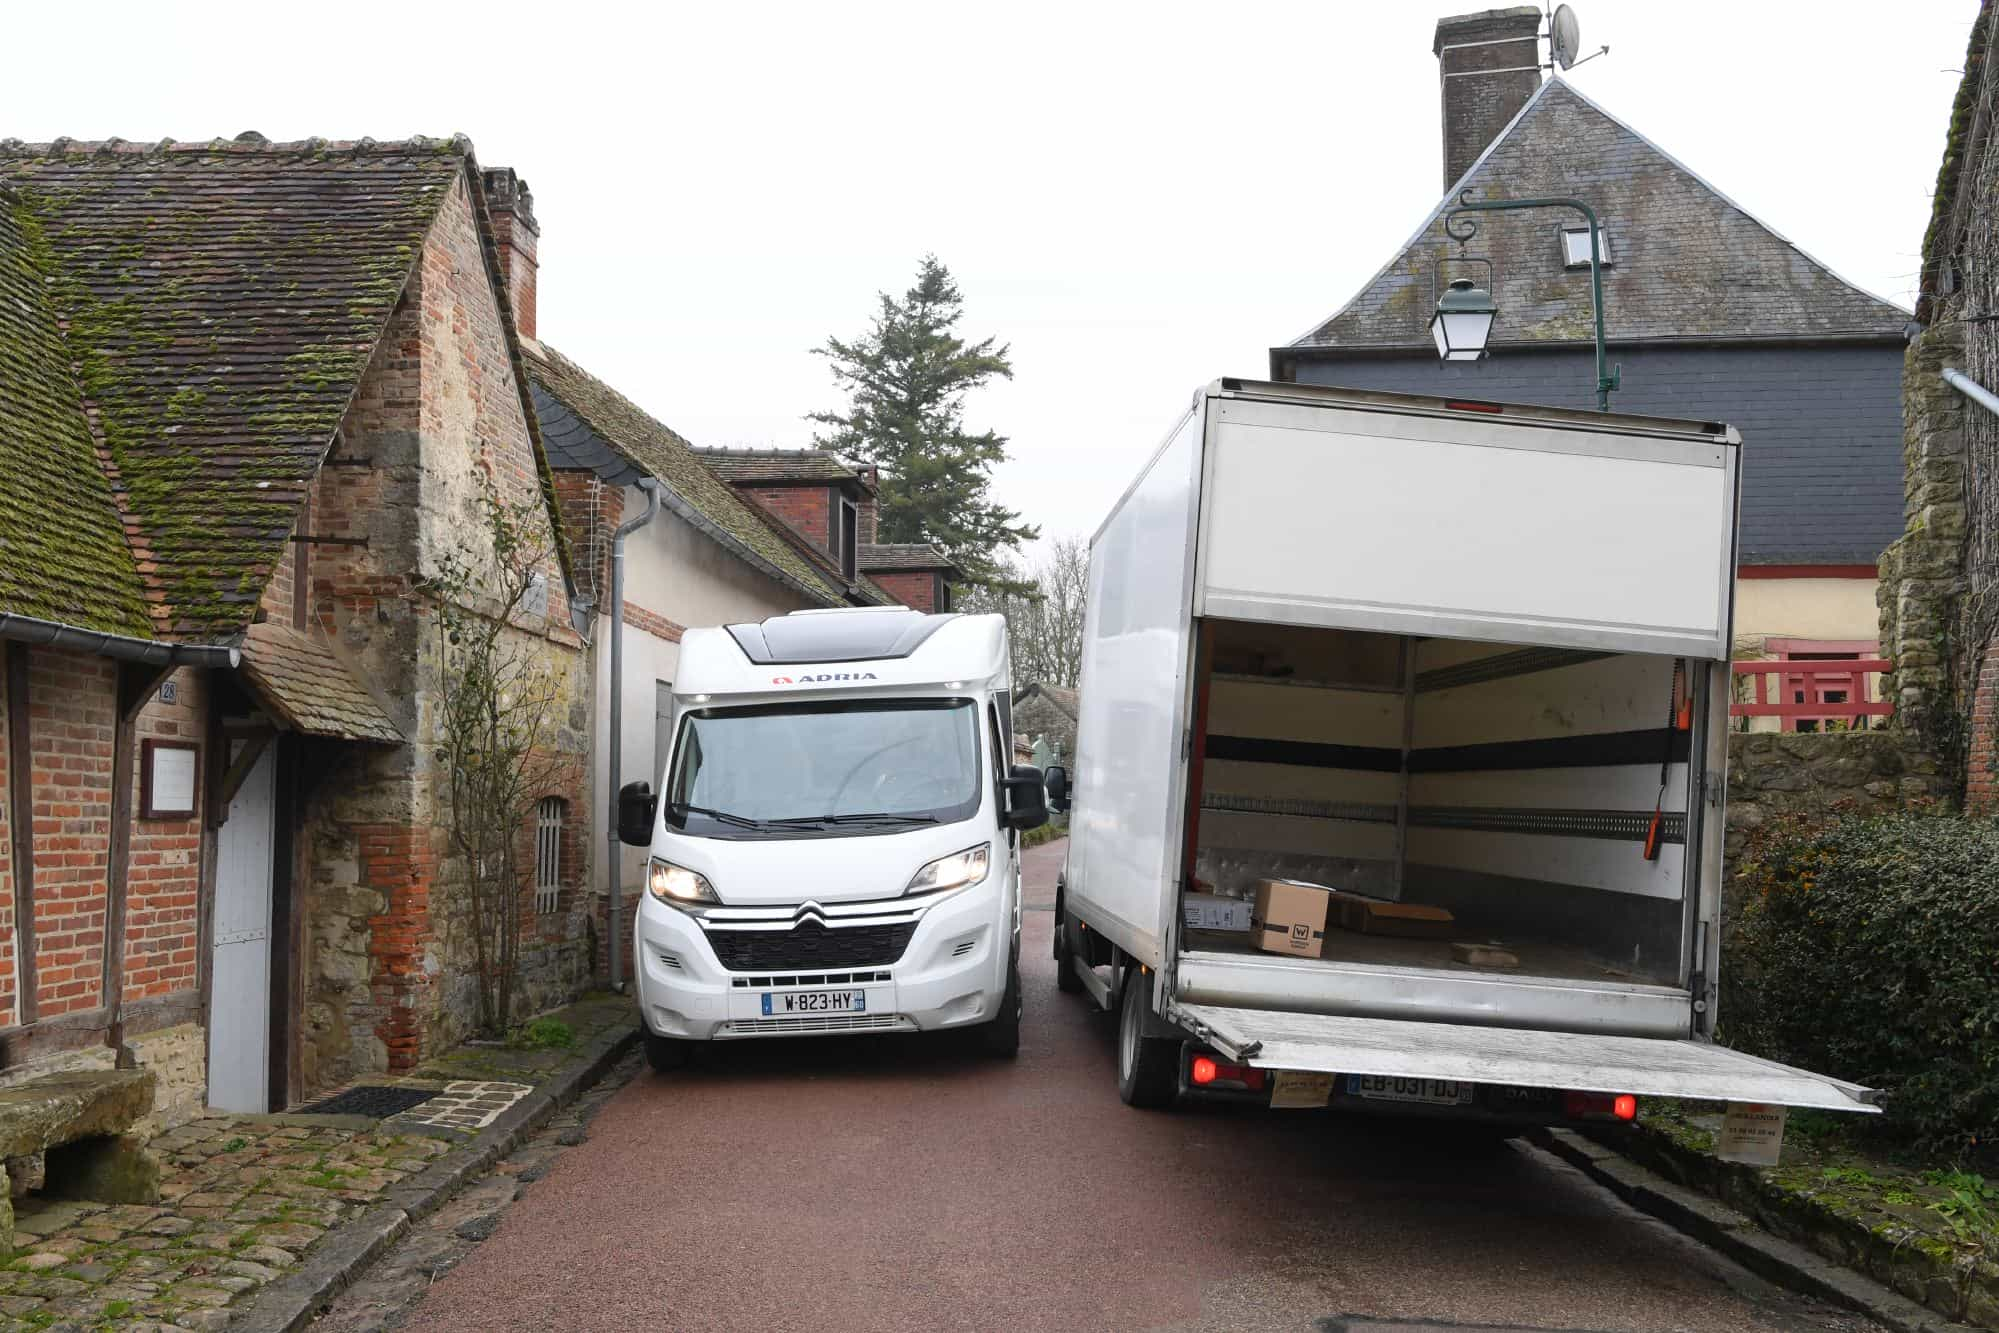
[(1146, 1076), (1066, 979), (665, 1054), (1001, 1037)]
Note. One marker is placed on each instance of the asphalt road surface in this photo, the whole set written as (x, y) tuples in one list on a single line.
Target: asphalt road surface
[(909, 1184)]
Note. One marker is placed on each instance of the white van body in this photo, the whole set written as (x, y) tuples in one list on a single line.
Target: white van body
[(1458, 654), (818, 762)]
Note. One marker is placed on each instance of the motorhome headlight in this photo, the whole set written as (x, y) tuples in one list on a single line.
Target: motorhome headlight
[(956, 871), (677, 884)]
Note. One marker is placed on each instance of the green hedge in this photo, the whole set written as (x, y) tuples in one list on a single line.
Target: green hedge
[(1048, 832), (1868, 948)]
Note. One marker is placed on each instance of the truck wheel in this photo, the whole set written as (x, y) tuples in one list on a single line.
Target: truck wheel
[(1066, 979), (665, 1054), (1001, 1037), (1145, 1065)]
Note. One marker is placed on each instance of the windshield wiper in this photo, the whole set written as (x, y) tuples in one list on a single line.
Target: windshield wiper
[(720, 816), (864, 817)]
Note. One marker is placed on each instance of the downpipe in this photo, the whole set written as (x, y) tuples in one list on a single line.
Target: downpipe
[(614, 771), (1971, 389)]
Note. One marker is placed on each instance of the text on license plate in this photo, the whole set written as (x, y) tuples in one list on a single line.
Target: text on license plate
[(1389, 1088), (779, 1003)]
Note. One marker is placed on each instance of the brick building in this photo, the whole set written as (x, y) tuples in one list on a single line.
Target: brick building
[(250, 397), (829, 507), (1712, 314)]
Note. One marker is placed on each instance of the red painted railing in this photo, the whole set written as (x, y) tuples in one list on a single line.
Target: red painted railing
[(1837, 691)]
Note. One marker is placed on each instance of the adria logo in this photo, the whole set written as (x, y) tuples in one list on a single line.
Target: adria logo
[(823, 679), (782, 680)]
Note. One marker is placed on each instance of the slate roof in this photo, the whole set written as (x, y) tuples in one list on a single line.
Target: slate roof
[(298, 674), (903, 555), (76, 571), (221, 300), (587, 423), (1686, 261), (748, 467)]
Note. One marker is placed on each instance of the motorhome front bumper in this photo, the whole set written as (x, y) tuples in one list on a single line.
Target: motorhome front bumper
[(915, 964)]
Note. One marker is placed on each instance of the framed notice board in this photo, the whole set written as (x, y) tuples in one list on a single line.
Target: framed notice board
[(168, 776)]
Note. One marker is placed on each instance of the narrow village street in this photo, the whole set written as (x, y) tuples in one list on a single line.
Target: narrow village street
[(909, 1184)]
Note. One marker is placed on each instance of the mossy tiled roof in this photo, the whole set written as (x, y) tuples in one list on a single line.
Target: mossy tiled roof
[(63, 555), (659, 451), (748, 467), (220, 302)]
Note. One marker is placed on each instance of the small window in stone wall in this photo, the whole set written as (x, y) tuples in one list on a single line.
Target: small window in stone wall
[(548, 853)]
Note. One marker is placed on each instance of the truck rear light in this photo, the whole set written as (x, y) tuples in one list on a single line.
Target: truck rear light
[(1207, 1072), (1473, 405), (1599, 1106)]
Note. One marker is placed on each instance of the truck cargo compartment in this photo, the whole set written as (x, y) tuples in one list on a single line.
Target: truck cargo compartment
[(1513, 786)]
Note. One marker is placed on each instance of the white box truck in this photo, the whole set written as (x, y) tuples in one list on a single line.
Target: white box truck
[(1465, 656), (835, 844)]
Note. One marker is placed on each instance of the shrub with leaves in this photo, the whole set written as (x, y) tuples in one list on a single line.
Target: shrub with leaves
[(1868, 949)]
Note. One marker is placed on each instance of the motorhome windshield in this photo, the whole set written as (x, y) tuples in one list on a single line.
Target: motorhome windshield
[(795, 770)]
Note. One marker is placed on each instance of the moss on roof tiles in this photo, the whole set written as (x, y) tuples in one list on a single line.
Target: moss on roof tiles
[(656, 448), (63, 555), (221, 301)]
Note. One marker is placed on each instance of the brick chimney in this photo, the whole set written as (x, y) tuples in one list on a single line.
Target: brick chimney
[(1490, 69), (517, 234)]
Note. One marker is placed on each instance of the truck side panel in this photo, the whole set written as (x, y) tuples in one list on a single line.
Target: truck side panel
[(1125, 838)]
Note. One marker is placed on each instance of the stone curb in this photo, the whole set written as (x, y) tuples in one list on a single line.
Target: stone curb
[(291, 1302), (1740, 1238)]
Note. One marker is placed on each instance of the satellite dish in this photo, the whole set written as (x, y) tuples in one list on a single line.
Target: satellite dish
[(1564, 36)]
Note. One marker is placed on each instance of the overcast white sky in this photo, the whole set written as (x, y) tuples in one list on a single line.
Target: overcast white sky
[(1138, 198)]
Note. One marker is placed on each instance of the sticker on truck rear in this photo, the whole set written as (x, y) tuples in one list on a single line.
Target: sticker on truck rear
[(1298, 1089)]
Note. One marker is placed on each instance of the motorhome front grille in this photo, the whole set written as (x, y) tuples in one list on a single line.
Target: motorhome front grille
[(810, 945), (812, 979)]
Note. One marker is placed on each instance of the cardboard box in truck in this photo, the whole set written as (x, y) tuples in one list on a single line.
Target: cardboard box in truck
[(1211, 911), (1289, 917)]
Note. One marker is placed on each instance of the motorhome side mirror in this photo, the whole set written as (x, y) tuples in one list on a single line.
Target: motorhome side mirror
[(636, 807), (1026, 801), (1056, 779)]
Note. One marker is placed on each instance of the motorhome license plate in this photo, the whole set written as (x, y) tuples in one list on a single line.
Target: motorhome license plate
[(779, 1003), (1387, 1088)]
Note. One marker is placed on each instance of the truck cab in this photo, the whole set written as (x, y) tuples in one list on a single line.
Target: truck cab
[(834, 840)]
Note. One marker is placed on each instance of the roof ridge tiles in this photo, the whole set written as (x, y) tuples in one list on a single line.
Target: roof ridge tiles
[(456, 145)]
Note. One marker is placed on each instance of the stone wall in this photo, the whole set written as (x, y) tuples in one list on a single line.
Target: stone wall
[(1869, 772), (1922, 586), (178, 1057)]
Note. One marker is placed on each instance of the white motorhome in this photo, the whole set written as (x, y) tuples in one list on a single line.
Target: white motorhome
[(834, 845), (1462, 655)]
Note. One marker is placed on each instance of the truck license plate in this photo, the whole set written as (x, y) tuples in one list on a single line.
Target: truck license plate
[(1388, 1088), (779, 1003)]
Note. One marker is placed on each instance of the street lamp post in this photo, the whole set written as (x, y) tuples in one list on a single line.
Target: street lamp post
[(1462, 300)]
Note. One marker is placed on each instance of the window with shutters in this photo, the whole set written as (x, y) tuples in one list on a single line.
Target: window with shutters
[(548, 854)]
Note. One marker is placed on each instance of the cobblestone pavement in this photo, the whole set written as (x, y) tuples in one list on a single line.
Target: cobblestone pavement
[(241, 1201), (392, 1286), (244, 1198)]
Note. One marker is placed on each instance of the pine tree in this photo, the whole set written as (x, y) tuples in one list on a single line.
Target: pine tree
[(906, 380)]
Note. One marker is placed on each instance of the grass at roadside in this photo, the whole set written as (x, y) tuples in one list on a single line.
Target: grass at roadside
[(1848, 1195)]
